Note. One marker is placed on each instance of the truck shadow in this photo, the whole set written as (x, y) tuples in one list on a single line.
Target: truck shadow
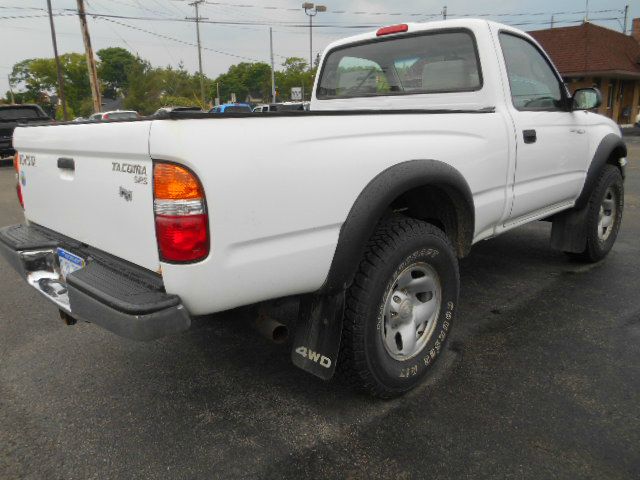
[(497, 271)]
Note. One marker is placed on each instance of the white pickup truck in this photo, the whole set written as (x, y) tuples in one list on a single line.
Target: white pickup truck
[(421, 140)]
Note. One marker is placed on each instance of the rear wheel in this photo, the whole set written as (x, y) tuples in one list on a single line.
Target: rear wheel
[(604, 215), (399, 310)]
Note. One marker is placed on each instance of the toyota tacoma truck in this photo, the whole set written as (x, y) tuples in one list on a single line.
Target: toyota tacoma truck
[(422, 139)]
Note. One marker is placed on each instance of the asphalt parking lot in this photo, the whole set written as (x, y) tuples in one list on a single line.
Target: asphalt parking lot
[(541, 380)]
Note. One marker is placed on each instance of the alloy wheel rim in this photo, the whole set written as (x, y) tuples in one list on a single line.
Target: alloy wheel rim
[(411, 311), (607, 215)]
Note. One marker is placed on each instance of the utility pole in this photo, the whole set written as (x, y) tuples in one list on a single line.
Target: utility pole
[(197, 19), (13, 99), (444, 12), (61, 95), (273, 73), (586, 11), (91, 62), (626, 16), (551, 24)]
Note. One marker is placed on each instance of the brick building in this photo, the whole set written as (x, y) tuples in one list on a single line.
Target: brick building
[(589, 55)]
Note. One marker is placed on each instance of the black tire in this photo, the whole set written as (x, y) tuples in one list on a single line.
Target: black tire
[(597, 248), (397, 244)]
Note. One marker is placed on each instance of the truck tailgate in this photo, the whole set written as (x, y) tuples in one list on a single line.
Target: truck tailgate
[(93, 183)]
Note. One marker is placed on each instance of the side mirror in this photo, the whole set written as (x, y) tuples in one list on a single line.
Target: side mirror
[(586, 99)]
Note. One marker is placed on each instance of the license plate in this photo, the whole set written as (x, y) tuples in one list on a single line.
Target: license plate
[(69, 262)]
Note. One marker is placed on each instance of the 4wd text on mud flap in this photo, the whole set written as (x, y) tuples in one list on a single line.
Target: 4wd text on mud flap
[(314, 356)]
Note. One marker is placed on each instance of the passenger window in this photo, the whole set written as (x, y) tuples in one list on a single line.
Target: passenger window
[(534, 85)]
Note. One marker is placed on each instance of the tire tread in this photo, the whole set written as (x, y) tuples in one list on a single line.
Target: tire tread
[(352, 366)]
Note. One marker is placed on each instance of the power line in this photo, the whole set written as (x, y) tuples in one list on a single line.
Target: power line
[(279, 24), (295, 24), (410, 14), (177, 40)]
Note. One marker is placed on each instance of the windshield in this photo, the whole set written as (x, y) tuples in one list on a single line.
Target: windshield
[(444, 61)]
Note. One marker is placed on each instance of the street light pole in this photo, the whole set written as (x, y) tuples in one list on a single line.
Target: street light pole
[(311, 11), (273, 73)]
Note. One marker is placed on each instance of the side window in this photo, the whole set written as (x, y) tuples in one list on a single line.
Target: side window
[(534, 85)]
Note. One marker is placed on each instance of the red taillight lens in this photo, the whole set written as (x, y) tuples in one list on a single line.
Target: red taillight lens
[(182, 238), (182, 223), (403, 27), (16, 166), (19, 192)]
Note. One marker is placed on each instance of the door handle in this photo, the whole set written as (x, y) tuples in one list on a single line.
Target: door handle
[(66, 164), (579, 131), (529, 136)]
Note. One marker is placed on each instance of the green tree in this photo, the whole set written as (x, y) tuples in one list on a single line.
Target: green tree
[(244, 79), (144, 88), (295, 74), (179, 87), (115, 63), (36, 79)]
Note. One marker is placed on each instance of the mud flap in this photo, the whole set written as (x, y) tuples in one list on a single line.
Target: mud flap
[(569, 231), (318, 333)]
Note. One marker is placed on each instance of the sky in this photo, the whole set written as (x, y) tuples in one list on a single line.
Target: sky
[(156, 36)]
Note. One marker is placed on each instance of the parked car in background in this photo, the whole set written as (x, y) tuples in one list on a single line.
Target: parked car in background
[(11, 116), (115, 115), (286, 106), (163, 110), (281, 107), (232, 108)]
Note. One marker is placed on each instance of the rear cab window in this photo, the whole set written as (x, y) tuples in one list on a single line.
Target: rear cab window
[(13, 113), (439, 61)]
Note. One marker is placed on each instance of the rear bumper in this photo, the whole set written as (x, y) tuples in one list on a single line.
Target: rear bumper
[(114, 294)]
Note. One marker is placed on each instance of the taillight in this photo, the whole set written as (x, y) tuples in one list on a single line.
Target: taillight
[(403, 27), (16, 167), (182, 223)]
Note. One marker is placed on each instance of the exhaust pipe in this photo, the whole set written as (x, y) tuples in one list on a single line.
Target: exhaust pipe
[(271, 329), (66, 318)]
